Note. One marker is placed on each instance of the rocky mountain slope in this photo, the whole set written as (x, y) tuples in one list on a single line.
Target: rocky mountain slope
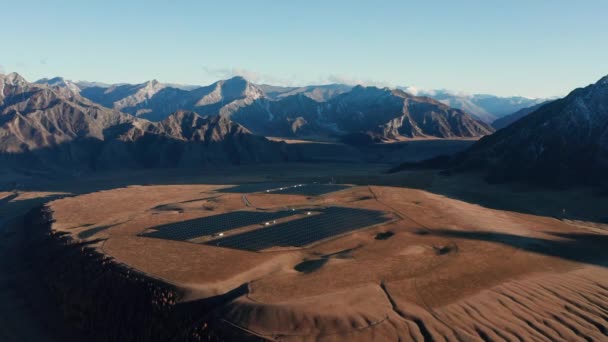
[(384, 114), (65, 87), (34, 116), (155, 101), (311, 112), (319, 93), (186, 139), (394, 113), (511, 118), (42, 126), (484, 107), (563, 142)]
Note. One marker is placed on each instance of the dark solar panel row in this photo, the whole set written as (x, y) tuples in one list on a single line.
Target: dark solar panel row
[(254, 187), (204, 226), (311, 189), (298, 233)]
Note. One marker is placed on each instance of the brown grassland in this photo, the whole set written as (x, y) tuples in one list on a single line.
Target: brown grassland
[(464, 260)]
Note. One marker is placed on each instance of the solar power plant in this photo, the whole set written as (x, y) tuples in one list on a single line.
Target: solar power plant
[(205, 226), (254, 187), (332, 221), (311, 189)]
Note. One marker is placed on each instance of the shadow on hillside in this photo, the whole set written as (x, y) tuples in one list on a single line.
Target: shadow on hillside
[(584, 248), (11, 208), (154, 152), (580, 203), (89, 165), (148, 151)]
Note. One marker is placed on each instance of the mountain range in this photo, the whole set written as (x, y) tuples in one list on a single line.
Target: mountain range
[(312, 112), (485, 107), (511, 118), (86, 125), (319, 93), (561, 142), (77, 124), (43, 124), (154, 100)]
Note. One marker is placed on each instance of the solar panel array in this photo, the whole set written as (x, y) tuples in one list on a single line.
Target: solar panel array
[(254, 187), (205, 226), (310, 189), (332, 221)]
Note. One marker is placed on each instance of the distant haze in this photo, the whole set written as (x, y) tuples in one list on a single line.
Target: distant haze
[(533, 49)]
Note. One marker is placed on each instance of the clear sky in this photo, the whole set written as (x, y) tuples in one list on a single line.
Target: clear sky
[(510, 47)]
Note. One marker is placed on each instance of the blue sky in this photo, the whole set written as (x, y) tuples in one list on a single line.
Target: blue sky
[(531, 48)]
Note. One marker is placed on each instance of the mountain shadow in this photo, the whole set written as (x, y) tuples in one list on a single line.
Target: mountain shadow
[(584, 248)]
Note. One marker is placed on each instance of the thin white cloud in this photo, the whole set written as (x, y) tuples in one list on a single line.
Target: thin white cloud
[(345, 79), (413, 90), (262, 78), (418, 91), (2, 69), (223, 73), (456, 92), (250, 75)]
